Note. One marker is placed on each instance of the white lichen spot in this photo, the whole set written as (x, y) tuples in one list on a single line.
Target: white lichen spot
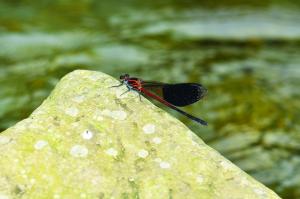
[(260, 192), (20, 127), (3, 196), (98, 118), (56, 196), (33, 126), (79, 151), (38, 112), (87, 135), (32, 180), (23, 173), (94, 77), (131, 179), (118, 115), (40, 144), (25, 176), (96, 180), (106, 112), (156, 140), (200, 179), (98, 115), (4, 140), (143, 153), (75, 124), (73, 111), (44, 176), (112, 152), (244, 181), (149, 128), (164, 165), (226, 164), (79, 98), (194, 143)]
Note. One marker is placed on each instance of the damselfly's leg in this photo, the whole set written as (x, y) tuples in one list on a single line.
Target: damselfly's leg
[(125, 92), (117, 85)]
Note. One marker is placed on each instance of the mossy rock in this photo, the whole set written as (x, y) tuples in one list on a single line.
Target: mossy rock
[(87, 141)]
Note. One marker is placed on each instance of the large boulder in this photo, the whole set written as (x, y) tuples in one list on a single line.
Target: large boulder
[(88, 141)]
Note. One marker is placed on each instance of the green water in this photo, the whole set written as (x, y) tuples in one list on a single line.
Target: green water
[(247, 55)]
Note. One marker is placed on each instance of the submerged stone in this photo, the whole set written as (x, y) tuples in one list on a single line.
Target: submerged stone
[(63, 150)]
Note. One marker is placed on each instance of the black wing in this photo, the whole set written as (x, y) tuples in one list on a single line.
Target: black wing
[(181, 94)]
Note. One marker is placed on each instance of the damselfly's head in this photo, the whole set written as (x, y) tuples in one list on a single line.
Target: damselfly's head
[(124, 77)]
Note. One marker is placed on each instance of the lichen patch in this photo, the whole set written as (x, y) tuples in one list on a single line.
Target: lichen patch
[(79, 151), (112, 152), (79, 98), (143, 153), (4, 140), (75, 124), (56, 196), (117, 114), (87, 135), (164, 165), (200, 179), (3, 196), (226, 164), (94, 77), (40, 144), (149, 128), (73, 111), (261, 193), (98, 115), (156, 140)]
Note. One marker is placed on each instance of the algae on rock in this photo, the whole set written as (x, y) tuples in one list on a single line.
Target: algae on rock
[(88, 141)]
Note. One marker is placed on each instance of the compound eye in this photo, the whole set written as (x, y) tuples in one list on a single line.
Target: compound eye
[(125, 76), (122, 76)]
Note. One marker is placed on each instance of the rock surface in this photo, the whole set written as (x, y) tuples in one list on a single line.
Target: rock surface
[(87, 141)]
